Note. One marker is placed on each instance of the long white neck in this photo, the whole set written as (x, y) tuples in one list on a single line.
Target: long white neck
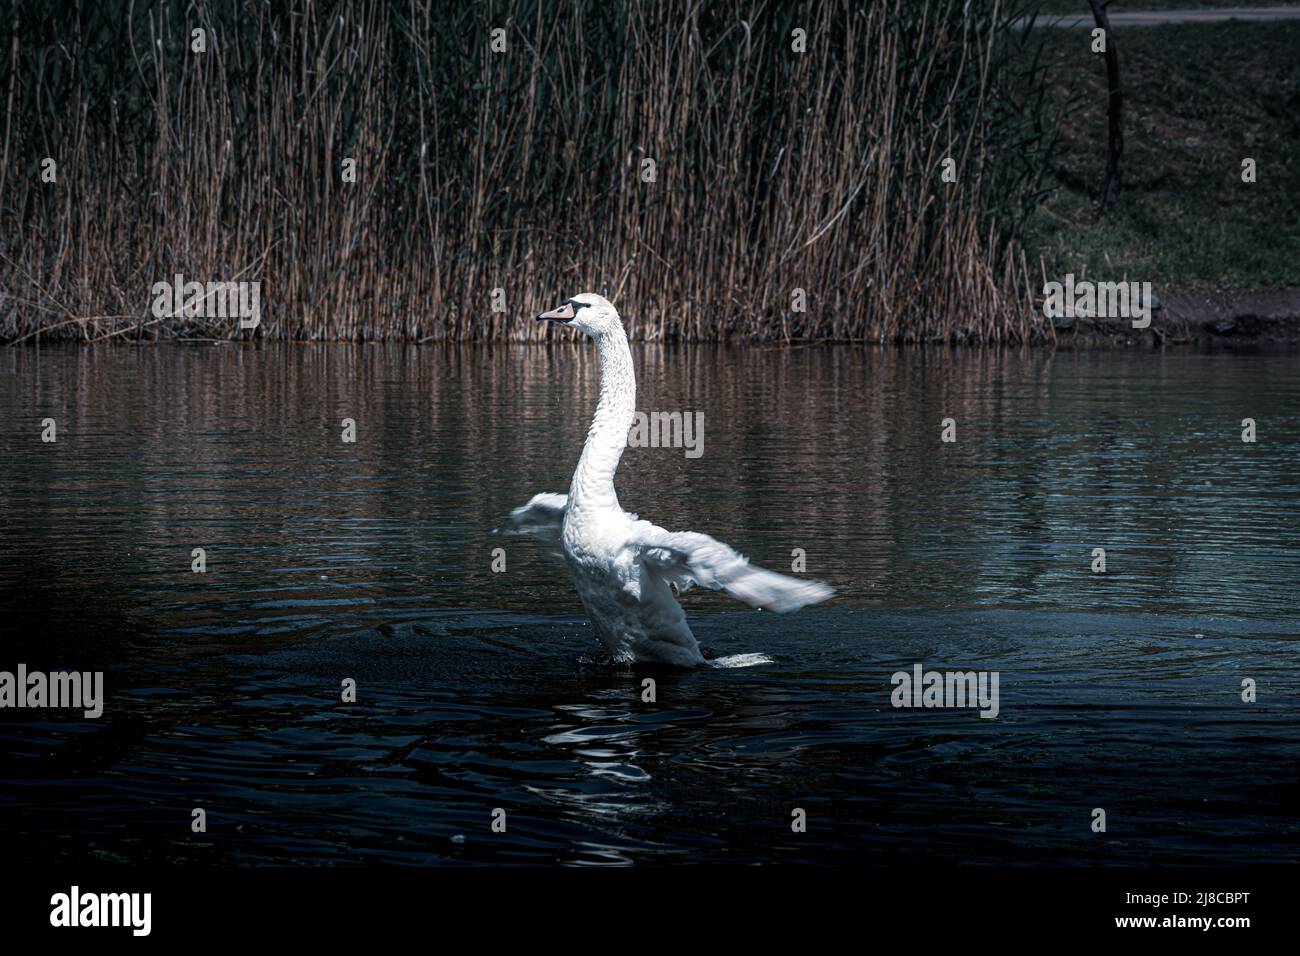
[(593, 481)]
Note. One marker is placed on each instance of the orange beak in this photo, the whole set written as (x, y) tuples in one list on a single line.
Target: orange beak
[(563, 314)]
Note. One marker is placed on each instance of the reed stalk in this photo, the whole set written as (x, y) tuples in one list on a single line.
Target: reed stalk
[(521, 170)]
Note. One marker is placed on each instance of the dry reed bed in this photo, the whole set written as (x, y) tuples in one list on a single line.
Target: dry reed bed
[(520, 170)]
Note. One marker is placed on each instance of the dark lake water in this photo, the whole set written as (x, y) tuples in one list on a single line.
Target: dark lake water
[(480, 690)]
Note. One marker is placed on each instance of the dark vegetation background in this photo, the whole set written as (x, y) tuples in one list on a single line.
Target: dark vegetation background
[(1199, 98), (520, 171)]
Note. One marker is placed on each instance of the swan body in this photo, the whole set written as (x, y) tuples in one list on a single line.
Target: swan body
[(626, 570)]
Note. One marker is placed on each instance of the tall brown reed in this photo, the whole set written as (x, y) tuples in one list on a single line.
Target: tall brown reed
[(519, 170)]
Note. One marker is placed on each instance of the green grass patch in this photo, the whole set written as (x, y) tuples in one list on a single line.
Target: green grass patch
[(1198, 100)]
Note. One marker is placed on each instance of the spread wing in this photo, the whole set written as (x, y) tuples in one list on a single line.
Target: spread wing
[(686, 558), (542, 517)]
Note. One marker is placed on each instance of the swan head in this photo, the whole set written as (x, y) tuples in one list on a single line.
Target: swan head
[(590, 313)]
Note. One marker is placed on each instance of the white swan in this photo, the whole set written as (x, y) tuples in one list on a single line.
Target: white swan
[(625, 569)]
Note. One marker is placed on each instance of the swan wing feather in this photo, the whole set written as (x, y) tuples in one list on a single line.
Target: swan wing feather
[(542, 517), (685, 558)]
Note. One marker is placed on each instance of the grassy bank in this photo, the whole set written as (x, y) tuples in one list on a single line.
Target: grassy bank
[(679, 157), (1198, 100)]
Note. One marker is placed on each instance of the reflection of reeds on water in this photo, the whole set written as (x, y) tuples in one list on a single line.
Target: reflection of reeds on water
[(519, 170)]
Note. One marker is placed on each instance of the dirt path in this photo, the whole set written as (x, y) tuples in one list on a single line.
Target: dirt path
[(1140, 18)]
